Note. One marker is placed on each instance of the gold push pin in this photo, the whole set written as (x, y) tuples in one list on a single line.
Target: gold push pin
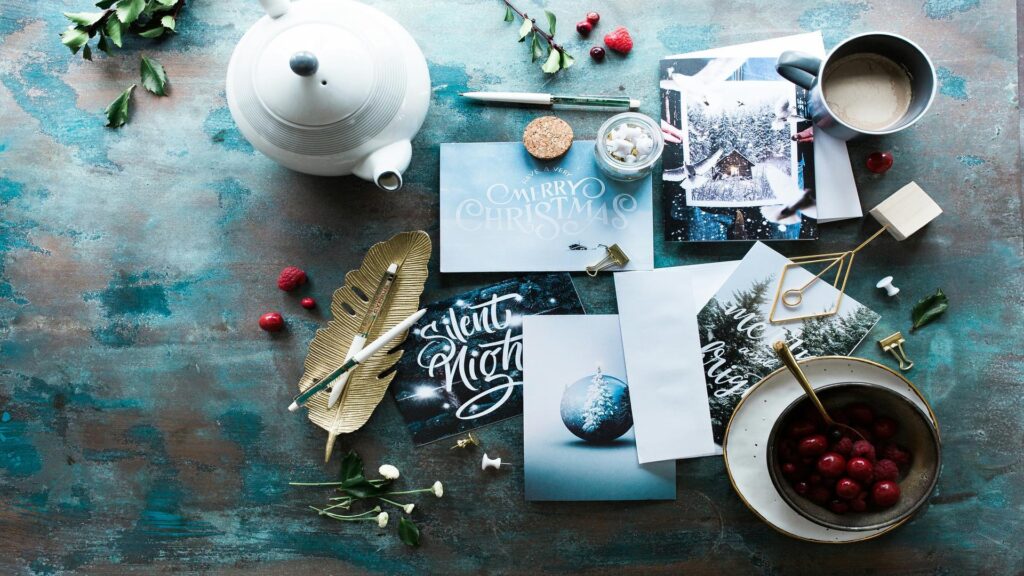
[(893, 344), (614, 256), (469, 440)]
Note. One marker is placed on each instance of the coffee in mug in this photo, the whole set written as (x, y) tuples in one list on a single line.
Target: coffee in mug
[(867, 91)]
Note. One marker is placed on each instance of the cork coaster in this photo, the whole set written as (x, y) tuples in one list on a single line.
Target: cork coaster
[(547, 137)]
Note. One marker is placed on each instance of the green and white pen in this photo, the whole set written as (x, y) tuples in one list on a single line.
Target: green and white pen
[(539, 99), (356, 360), (376, 305)]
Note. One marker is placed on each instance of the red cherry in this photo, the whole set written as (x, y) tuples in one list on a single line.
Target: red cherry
[(597, 53), (272, 322), (801, 487), (790, 470), (847, 488), (860, 503), (860, 413), (885, 428), (832, 465), (593, 18), (308, 303), (885, 493), (838, 506), (819, 494), (802, 428), (844, 446), (879, 162), (860, 469), (812, 445), (584, 27), (814, 479)]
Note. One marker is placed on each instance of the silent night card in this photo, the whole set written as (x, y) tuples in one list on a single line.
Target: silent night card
[(504, 211), (462, 365), (739, 153), (578, 437), (736, 336)]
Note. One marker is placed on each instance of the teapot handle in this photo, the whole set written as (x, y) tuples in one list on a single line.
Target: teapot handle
[(275, 8)]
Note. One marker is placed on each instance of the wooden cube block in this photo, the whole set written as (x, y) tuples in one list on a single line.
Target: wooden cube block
[(906, 211)]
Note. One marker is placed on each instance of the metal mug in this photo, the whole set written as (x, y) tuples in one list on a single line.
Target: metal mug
[(808, 71)]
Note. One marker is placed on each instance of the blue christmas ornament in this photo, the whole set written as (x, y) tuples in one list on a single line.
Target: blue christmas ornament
[(596, 408)]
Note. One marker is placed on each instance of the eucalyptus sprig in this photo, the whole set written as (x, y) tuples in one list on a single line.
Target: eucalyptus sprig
[(145, 18), (355, 487), (557, 58)]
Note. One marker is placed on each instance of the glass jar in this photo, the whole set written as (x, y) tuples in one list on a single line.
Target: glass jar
[(616, 135)]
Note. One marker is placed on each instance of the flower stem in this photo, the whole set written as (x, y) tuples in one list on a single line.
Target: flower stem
[(315, 483), (405, 492), (392, 502), (547, 37)]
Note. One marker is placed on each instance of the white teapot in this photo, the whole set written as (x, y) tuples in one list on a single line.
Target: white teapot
[(330, 87)]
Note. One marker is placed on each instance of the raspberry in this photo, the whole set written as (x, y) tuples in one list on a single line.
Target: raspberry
[(898, 455), (812, 445), (597, 53), (272, 322), (831, 465), (860, 469), (886, 470), (885, 494), (593, 18), (308, 303), (847, 488), (619, 40), (885, 428), (584, 27), (844, 446), (291, 278), (864, 449)]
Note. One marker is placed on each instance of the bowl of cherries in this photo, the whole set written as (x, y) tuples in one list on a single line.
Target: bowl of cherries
[(872, 477)]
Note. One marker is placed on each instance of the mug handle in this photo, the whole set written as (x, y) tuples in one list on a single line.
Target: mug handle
[(800, 68)]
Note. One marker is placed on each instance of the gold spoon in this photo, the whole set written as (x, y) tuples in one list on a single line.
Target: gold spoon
[(789, 361)]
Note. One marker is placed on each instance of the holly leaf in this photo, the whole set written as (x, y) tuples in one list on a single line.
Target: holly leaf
[(128, 10), (551, 22), (552, 64), (929, 308), (509, 16), (153, 32), (114, 29), (87, 53), (351, 466), (565, 60), (154, 78), (102, 44), (537, 49), (168, 22), (525, 28), (74, 39), (84, 18), (118, 111), (408, 532)]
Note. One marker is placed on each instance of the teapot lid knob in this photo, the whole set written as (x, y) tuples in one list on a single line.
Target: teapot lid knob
[(304, 63)]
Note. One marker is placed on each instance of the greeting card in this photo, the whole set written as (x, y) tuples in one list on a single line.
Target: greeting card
[(736, 336), (578, 426), (503, 210), (462, 365)]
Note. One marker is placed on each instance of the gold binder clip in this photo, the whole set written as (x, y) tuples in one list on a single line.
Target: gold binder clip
[(614, 256), (894, 345)]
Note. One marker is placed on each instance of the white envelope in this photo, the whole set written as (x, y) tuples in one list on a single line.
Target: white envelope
[(664, 365)]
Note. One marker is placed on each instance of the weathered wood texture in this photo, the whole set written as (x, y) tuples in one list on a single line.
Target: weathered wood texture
[(143, 425)]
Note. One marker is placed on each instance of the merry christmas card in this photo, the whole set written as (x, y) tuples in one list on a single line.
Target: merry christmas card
[(578, 429), (504, 211), (736, 335), (462, 365)]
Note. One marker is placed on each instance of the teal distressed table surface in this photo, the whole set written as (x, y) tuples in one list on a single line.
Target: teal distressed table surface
[(142, 428)]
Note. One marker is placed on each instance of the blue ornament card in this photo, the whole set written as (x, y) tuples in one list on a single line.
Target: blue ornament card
[(504, 211), (462, 365), (578, 433)]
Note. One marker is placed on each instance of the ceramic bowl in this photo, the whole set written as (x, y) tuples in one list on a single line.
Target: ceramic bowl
[(916, 433)]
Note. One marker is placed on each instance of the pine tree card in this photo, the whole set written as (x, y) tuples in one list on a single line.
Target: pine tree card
[(462, 365), (578, 429), (504, 211), (736, 336), (739, 158)]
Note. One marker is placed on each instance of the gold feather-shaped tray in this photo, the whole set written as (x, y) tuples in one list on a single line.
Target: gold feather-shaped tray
[(366, 386)]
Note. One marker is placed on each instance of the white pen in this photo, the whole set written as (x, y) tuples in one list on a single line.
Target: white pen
[(539, 99), (357, 359)]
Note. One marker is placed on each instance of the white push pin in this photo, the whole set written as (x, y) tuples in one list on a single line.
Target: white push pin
[(886, 284), (488, 463)]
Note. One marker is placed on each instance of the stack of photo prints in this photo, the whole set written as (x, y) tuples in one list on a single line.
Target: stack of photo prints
[(617, 399)]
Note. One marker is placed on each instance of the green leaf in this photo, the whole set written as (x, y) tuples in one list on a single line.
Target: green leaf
[(128, 10), (552, 64), (168, 22), (105, 4), (153, 32), (408, 532), (114, 29), (929, 308), (87, 53), (551, 22), (566, 60), (509, 16), (103, 44), (167, 3), (537, 49), (84, 18), (360, 487), (154, 78), (118, 111), (74, 39), (351, 466), (525, 28)]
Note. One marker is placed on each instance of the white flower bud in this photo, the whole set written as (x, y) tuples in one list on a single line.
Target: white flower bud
[(388, 471)]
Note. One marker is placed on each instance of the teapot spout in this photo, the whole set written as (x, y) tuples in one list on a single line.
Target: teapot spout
[(384, 166)]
